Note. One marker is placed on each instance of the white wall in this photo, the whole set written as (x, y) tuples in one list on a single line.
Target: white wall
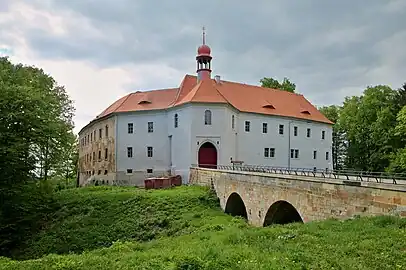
[(139, 140), (252, 144), (180, 152), (219, 132), (235, 143)]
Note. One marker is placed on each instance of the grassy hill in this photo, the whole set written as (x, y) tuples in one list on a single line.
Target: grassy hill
[(184, 228)]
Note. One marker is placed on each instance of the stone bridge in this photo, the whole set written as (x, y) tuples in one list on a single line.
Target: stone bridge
[(268, 198)]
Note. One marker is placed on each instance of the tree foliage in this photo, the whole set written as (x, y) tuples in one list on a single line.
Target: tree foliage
[(35, 133), (285, 85), (370, 130)]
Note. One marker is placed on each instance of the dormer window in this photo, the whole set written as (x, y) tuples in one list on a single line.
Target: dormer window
[(207, 117), (144, 102), (268, 106), (305, 112)]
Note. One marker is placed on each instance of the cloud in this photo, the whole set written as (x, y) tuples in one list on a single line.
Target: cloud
[(102, 49)]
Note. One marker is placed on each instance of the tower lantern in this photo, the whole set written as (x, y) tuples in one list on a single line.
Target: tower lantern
[(203, 60)]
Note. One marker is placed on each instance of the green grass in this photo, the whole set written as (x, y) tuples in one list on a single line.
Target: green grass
[(184, 228)]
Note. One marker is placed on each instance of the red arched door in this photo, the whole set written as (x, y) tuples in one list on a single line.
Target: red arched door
[(207, 156)]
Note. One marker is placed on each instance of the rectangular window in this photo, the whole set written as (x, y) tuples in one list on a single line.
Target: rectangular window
[(271, 152), (150, 127), (99, 172), (264, 127), (106, 151), (232, 121), (149, 171), (99, 155), (91, 137), (314, 154), (294, 131), (107, 131), (150, 151), (94, 135), (266, 152), (129, 171), (105, 172), (327, 155), (129, 152), (323, 135), (308, 133), (130, 128), (100, 133), (281, 128), (94, 156), (294, 153), (247, 126)]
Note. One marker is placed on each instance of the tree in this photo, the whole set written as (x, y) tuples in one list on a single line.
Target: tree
[(398, 158), (368, 122), (35, 124), (286, 84), (339, 147)]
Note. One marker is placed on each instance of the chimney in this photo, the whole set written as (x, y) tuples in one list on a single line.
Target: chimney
[(217, 78)]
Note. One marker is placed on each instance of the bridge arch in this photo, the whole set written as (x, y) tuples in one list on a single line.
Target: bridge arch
[(235, 206), (282, 212)]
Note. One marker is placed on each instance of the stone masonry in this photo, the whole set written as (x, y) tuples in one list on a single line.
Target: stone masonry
[(313, 198)]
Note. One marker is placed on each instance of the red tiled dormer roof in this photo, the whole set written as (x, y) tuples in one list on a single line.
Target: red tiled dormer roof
[(243, 97)]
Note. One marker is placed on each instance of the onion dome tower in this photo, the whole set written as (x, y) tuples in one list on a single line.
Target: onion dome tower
[(203, 60)]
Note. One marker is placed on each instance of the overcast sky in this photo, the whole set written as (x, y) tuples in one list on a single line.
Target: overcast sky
[(102, 49)]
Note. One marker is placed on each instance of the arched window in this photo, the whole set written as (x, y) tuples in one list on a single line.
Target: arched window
[(232, 122), (175, 120), (207, 117)]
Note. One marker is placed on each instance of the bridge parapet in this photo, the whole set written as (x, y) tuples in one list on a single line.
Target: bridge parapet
[(269, 197)]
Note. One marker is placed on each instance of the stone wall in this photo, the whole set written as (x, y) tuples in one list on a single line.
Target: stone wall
[(313, 198), (91, 168)]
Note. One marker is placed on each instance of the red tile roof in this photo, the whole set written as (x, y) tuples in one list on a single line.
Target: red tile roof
[(243, 97)]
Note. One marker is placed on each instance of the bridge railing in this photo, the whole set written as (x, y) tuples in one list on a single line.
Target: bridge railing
[(348, 175)]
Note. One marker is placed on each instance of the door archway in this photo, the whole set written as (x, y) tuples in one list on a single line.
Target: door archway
[(207, 156)]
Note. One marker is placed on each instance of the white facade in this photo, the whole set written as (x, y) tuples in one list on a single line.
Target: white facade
[(175, 149)]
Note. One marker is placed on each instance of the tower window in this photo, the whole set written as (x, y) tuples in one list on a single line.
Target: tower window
[(232, 121), (207, 117), (308, 134), (327, 155), (175, 119), (314, 154), (323, 135), (264, 127), (295, 131), (247, 126)]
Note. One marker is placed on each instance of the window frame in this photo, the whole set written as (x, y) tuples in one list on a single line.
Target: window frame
[(264, 128), (130, 153), (130, 128), (150, 127), (247, 126), (207, 118), (150, 151), (281, 129)]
